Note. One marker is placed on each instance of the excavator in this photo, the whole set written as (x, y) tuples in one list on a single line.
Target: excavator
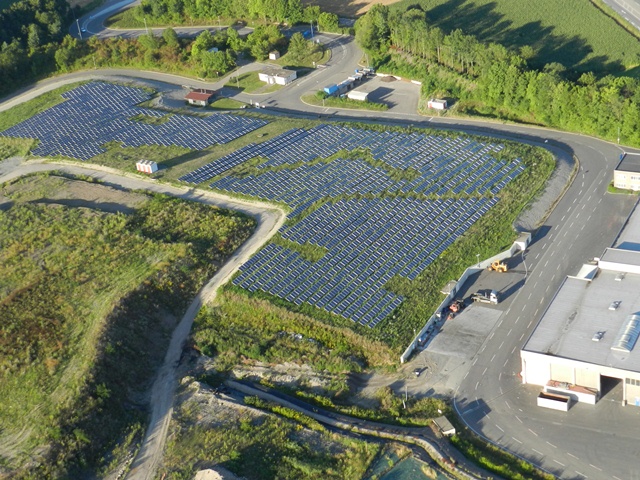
[(498, 266)]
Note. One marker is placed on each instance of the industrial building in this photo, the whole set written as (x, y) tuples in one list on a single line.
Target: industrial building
[(627, 174), (277, 76), (586, 341)]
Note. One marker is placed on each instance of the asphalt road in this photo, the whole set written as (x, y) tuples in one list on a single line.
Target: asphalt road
[(628, 9), (588, 442)]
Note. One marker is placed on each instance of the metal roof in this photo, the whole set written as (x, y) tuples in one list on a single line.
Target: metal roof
[(621, 256), (630, 163), (198, 96), (579, 310), (628, 334), (629, 238)]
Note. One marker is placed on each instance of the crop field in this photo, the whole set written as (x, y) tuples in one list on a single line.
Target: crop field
[(365, 207), (91, 281), (574, 33)]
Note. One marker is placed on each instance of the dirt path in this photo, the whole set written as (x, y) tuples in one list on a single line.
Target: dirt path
[(269, 219)]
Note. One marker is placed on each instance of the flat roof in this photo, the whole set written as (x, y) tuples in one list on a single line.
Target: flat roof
[(629, 238), (630, 163), (621, 256), (277, 72), (579, 310)]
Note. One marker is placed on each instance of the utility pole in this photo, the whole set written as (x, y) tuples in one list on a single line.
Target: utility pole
[(618, 135), (145, 25), (80, 32), (311, 28), (94, 62), (478, 259)]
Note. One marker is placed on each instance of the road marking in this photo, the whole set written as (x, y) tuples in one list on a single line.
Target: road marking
[(518, 418), (537, 255), (600, 199), (530, 323), (521, 336), (500, 347), (477, 383), (589, 197), (491, 336), (500, 376), (584, 205), (572, 455), (514, 349), (532, 432), (508, 404), (493, 358), (562, 219), (466, 375), (483, 347), (593, 466), (577, 215), (575, 200), (475, 361), (485, 371), (530, 296), (559, 463), (536, 284), (517, 440), (549, 443), (498, 427), (510, 330), (616, 478), (538, 452), (505, 363), (581, 474), (548, 287)]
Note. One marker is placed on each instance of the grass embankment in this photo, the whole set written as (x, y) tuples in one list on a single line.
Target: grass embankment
[(260, 446), (574, 33), (249, 82), (227, 104), (88, 300), (320, 99)]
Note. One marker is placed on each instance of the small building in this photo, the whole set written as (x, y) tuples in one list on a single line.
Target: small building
[(358, 95), (274, 55), (444, 426), (626, 175), (147, 166), (437, 104), (200, 98), (277, 76)]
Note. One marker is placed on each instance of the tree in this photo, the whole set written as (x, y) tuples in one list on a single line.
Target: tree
[(216, 63), (171, 37), (34, 36), (298, 46), (311, 13), (234, 42), (202, 43), (328, 22)]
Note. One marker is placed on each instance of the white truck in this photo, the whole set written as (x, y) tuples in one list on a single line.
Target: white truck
[(484, 297)]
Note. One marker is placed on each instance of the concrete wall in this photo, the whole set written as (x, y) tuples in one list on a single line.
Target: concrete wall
[(626, 180)]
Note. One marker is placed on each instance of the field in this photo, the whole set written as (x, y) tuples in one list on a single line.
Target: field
[(574, 33), (92, 280)]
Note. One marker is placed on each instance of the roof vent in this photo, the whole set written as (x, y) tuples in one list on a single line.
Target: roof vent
[(615, 304), (628, 334)]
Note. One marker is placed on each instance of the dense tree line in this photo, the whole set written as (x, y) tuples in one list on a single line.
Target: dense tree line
[(489, 79)]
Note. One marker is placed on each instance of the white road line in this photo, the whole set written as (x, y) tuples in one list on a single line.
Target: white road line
[(505, 363), (513, 350), (485, 371), (589, 197), (572, 455), (562, 219), (593, 466), (559, 463), (498, 427), (530, 323), (548, 287), (491, 336), (517, 440), (477, 383), (600, 199), (532, 432), (521, 336), (466, 375), (500, 347), (530, 296), (581, 474), (538, 452), (508, 404), (509, 333), (475, 361), (493, 358), (500, 376), (616, 478), (518, 418), (537, 255), (549, 443)]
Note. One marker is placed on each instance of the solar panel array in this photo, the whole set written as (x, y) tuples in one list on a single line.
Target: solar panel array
[(368, 240), (97, 113)]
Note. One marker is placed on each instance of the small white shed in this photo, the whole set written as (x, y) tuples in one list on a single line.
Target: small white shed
[(444, 426), (437, 104), (147, 166), (274, 55), (358, 95), (278, 76)]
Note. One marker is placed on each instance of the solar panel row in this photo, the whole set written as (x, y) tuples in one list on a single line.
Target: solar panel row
[(96, 113)]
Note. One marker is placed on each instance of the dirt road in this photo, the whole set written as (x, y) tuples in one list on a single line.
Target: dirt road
[(269, 219)]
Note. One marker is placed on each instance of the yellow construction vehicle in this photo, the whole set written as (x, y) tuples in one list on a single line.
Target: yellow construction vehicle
[(498, 266)]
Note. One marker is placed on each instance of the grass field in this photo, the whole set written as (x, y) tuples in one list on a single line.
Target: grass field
[(574, 32), (87, 297), (250, 83), (343, 103)]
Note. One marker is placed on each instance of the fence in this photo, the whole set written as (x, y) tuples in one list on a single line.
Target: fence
[(520, 244)]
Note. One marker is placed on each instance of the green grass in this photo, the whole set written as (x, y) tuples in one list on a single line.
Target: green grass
[(247, 82), (337, 102), (227, 104), (88, 299), (573, 32), (10, 147), (28, 109)]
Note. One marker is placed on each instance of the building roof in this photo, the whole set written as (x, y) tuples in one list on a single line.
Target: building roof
[(629, 238), (277, 72), (199, 96), (629, 163), (580, 310), (621, 257)]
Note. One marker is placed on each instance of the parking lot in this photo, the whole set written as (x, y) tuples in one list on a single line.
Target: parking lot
[(401, 96)]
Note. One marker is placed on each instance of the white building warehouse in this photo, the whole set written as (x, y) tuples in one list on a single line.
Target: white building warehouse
[(590, 331)]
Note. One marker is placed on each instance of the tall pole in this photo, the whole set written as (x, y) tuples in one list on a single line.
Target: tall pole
[(80, 32), (311, 28), (145, 25), (94, 62)]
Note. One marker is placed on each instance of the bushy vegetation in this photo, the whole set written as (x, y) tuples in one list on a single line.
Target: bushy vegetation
[(88, 300), (264, 447), (240, 327), (491, 80), (322, 99)]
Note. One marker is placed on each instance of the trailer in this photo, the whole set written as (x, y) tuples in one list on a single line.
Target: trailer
[(331, 89), (484, 297)]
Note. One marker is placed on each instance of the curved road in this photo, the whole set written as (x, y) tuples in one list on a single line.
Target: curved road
[(490, 398)]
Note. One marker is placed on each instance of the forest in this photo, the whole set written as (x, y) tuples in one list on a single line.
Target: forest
[(490, 80)]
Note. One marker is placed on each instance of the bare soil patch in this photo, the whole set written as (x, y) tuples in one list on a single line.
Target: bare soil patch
[(350, 8)]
